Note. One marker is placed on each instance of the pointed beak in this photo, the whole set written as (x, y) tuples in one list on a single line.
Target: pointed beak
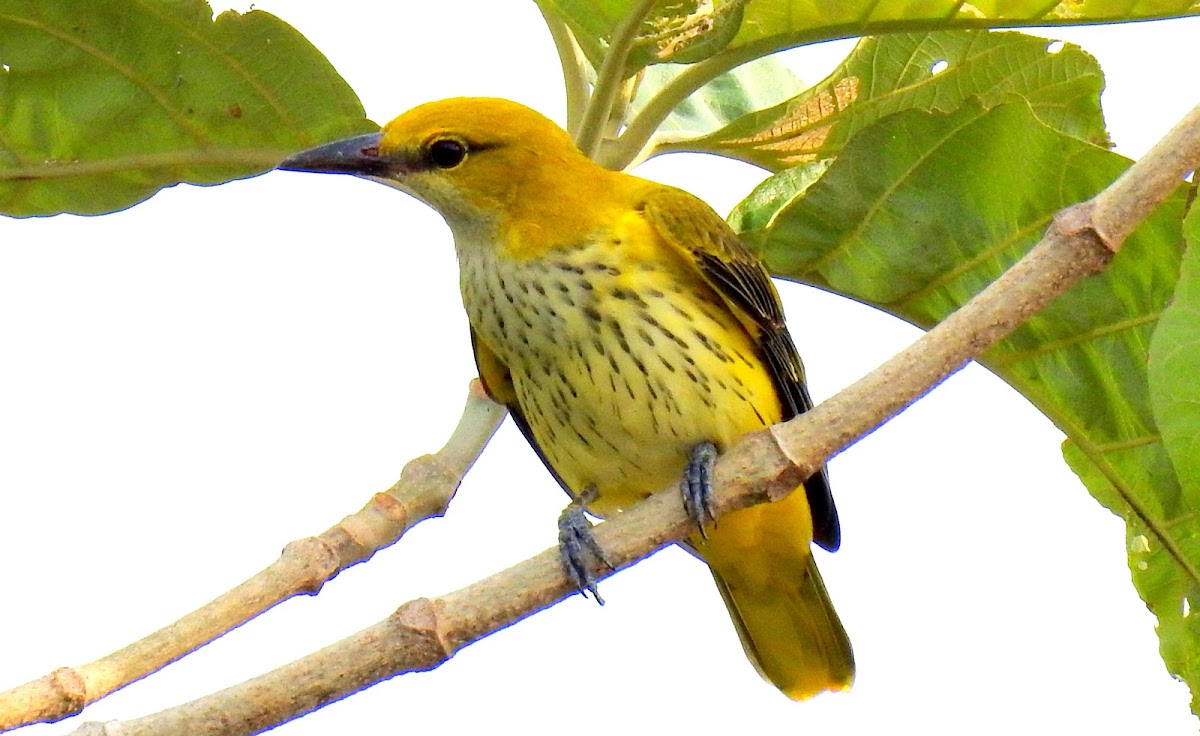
[(358, 156)]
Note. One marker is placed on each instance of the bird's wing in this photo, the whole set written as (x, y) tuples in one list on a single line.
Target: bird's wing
[(705, 240), (497, 382)]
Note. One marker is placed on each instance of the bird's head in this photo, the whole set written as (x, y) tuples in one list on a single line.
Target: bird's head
[(480, 162)]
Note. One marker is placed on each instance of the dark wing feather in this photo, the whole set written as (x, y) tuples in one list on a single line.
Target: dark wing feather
[(497, 382), (699, 233)]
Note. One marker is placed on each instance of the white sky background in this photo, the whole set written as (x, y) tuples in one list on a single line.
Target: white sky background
[(190, 384)]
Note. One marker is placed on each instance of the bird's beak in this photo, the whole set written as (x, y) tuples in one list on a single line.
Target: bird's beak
[(358, 156)]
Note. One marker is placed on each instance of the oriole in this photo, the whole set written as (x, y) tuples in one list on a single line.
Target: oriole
[(629, 332)]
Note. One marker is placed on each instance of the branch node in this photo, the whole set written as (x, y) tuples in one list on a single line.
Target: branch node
[(377, 524), (438, 479), (391, 508), (1076, 219), (318, 559), (72, 690), (475, 389), (785, 448), (419, 620), (1093, 245), (1080, 221)]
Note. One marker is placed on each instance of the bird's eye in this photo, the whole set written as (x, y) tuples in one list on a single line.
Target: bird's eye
[(446, 153)]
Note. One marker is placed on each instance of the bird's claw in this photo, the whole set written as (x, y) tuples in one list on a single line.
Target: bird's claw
[(577, 545), (696, 486)]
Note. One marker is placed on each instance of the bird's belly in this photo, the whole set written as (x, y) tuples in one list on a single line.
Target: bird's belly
[(620, 390), (618, 440)]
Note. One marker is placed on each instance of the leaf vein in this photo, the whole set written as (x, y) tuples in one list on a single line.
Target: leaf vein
[(897, 182), (1078, 338), (904, 304), (237, 66), (156, 94)]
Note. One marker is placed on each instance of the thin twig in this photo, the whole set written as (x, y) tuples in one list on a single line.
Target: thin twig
[(424, 490), (575, 68), (609, 80), (765, 465)]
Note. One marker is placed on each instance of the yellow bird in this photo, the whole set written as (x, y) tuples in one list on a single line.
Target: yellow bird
[(632, 336)]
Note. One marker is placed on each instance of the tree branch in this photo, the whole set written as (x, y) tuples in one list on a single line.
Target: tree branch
[(765, 465), (424, 490)]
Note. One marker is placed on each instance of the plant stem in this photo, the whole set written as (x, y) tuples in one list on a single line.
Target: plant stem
[(609, 79), (574, 68)]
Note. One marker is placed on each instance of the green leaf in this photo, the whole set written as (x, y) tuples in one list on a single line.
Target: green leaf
[(1163, 548), (1171, 592), (921, 211), (936, 71), (785, 23), (686, 31), (674, 31), (690, 30), (731, 96), (1175, 367), (105, 102)]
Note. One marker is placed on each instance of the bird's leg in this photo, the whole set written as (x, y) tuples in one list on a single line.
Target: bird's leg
[(577, 546), (696, 486)]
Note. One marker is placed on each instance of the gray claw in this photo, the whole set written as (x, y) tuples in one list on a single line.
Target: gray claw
[(577, 545), (696, 486)]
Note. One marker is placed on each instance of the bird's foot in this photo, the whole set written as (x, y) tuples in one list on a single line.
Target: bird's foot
[(696, 486), (577, 545)]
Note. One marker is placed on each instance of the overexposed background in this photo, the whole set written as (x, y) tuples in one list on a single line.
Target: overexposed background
[(187, 385)]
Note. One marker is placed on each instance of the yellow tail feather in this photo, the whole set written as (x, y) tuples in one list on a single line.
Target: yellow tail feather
[(765, 571)]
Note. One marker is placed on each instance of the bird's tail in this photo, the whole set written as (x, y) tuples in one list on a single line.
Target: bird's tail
[(763, 566)]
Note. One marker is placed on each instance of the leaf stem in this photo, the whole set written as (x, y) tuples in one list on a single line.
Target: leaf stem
[(609, 79), (574, 68), (630, 146)]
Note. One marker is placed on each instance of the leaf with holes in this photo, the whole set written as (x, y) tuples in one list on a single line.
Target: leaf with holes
[(922, 210), (674, 31), (103, 103), (937, 71)]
